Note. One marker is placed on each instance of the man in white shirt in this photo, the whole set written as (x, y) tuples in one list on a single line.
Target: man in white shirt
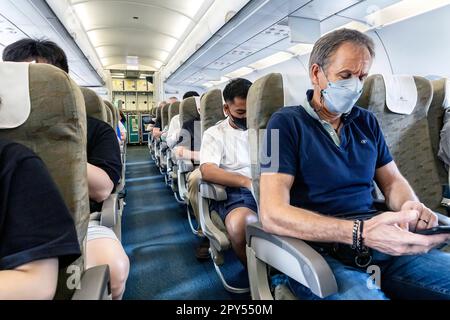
[(172, 136), (225, 160)]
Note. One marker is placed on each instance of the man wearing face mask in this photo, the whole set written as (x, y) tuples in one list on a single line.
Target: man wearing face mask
[(318, 185), (225, 160)]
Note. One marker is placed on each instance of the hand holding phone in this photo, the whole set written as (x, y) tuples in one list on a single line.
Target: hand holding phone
[(433, 231)]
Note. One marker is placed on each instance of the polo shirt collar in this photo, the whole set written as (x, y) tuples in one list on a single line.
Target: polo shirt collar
[(347, 118)]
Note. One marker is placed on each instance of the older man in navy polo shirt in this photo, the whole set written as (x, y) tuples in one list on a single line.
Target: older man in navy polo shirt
[(319, 189)]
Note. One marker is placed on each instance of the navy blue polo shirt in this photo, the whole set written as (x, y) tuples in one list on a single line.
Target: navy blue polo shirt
[(329, 179)]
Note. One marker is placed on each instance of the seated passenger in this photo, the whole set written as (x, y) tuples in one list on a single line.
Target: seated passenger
[(122, 127), (104, 168), (188, 148), (173, 134), (37, 233), (156, 132), (318, 185), (157, 129), (225, 160)]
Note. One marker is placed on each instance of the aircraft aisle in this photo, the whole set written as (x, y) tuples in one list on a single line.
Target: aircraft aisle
[(158, 241)]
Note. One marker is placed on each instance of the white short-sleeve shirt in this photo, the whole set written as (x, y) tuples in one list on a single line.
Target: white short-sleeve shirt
[(226, 147)]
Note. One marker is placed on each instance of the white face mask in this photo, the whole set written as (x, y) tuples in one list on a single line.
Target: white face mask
[(340, 96)]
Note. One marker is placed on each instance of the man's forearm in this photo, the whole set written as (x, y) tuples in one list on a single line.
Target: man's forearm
[(100, 185), (216, 175), (398, 193), (36, 281), (306, 225)]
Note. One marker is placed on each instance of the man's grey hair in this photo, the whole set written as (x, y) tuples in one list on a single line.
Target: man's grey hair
[(326, 46)]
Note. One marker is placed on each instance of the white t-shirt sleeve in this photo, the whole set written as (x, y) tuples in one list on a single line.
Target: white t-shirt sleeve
[(212, 147), (174, 132)]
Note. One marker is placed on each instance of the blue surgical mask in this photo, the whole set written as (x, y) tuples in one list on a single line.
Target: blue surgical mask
[(340, 96)]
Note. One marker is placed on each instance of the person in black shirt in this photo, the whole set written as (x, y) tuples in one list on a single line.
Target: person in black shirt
[(188, 148), (104, 168), (102, 155), (37, 233)]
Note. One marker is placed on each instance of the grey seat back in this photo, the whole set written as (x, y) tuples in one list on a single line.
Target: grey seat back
[(188, 110), (109, 115), (174, 110), (94, 105), (438, 108), (266, 96), (114, 112), (159, 114), (408, 137), (165, 116), (211, 108), (56, 131)]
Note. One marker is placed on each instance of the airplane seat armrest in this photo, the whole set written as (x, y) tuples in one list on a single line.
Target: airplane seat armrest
[(293, 257), (443, 220), (185, 166), (94, 285), (213, 191), (219, 240), (110, 210)]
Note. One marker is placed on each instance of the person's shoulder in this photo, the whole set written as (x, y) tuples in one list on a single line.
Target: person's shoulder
[(365, 116), (10, 149), (98, 126), (218, 128), (286, 115)]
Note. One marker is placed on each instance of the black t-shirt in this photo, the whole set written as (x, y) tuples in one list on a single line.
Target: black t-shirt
[(103, 151), (158, 124), (35, 223), (191, 129)]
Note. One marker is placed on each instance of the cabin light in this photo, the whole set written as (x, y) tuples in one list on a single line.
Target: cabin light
[(222, 80), (118, 75), (301, 49), (240, 72), (355, 25), (272, 60), (207, 85), (403, 10)]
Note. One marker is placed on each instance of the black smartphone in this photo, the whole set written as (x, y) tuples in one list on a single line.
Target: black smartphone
[(435, 230)]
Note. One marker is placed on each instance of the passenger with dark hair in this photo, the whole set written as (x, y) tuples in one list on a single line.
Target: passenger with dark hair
[(173, 133), (188, 148), (104, 168), (225, 160), (37, 233), (39, 51), (190, 94)]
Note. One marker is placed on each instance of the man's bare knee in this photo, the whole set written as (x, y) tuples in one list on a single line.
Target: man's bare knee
[(236, 222)]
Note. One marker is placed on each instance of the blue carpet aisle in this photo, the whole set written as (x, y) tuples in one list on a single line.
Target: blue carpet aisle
[(158, 240)]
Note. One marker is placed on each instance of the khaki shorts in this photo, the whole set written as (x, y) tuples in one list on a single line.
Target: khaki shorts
[(96, 231)]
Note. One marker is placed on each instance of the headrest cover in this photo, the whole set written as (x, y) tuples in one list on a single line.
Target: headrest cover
[(401, 93), (15, 102)]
